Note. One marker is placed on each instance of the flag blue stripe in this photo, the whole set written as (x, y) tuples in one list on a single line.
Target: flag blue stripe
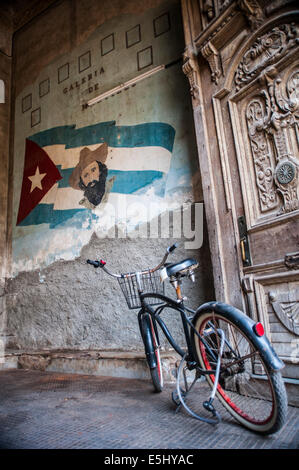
[(126, 182), (57, 218), (141, 135), (45, 214)]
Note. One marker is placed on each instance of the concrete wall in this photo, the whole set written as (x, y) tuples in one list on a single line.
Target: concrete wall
[(5, 105), (66, 56), (5, 66)]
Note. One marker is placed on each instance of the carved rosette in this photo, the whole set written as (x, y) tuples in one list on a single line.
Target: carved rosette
[(272, 120), (286, 179), (266, 50)]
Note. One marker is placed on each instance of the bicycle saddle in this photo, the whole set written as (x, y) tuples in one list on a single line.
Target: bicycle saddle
[(180, 268)]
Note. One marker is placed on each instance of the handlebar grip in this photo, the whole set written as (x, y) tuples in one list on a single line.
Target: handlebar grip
[(96, 264), (172, 247)]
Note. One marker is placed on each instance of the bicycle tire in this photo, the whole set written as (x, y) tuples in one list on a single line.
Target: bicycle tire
[(252, 393), (155, 372)]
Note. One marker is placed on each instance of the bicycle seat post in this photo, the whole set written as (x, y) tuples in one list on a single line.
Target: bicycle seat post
[(178, 291), (176, 283)]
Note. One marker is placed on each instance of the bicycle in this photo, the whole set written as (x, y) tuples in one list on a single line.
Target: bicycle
[(223, 346)]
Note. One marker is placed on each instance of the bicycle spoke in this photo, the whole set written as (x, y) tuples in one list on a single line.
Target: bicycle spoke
[(239, 360), (247, 397)]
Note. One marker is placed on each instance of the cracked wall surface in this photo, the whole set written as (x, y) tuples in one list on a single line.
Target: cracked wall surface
[(53, 299), (71, 305)]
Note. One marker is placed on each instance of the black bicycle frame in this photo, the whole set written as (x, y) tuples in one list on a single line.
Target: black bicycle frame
[(155, 315), (245, 323)]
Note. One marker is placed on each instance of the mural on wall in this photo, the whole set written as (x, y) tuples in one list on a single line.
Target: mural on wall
[(40, 174), (136, 146), (90, 176), (64, 162)]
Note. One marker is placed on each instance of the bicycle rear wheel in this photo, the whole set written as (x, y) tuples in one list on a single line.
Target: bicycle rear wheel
[(251, 393)]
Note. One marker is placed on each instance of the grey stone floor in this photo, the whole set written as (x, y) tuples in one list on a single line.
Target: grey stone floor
[(48, 410)]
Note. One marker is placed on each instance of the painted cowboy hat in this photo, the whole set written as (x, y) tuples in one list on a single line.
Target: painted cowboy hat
[(87, 156)]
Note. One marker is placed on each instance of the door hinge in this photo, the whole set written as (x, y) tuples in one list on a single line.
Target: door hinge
[(244, 242)]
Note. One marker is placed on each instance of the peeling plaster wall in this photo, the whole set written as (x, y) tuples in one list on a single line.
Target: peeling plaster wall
[(55, 300), (151, 123), (70, 305)]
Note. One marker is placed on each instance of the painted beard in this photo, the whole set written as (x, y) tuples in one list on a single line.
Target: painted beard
[(95, 190)]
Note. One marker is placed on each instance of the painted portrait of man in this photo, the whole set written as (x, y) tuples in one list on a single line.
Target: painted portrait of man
[(90, 176)]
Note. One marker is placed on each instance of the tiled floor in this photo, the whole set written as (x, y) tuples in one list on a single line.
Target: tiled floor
[(48, 410)]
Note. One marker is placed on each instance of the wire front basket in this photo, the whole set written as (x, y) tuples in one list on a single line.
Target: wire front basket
[(150, 283)]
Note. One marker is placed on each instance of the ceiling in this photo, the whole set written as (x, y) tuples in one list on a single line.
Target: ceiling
[(19, 12)]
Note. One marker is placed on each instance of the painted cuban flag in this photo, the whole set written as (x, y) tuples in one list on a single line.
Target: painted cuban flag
[(59, 163)]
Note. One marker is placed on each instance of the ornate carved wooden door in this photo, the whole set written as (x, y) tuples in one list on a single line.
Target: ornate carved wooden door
[(252, 110), (264, 110)]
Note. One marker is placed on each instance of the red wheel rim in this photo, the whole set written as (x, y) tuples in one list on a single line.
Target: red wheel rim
[(221, 391)]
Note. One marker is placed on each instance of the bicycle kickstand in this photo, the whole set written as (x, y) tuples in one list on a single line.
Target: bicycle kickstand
[(208, 404)]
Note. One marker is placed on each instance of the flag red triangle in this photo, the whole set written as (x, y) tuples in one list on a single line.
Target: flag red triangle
[(40, 174)]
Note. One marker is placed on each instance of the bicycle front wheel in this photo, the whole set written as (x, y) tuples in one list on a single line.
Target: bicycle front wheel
[(152, 347), (156, 372), (251, 393)]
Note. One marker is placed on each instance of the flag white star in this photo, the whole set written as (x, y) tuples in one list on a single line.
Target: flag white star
[(36, 180)]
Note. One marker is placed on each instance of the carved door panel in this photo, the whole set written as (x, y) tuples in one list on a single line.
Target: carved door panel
[(264, 112), (248, 69)]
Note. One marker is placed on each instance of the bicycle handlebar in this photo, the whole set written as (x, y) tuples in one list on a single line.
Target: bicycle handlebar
[(172, 247), (96, 263), (101, 263)]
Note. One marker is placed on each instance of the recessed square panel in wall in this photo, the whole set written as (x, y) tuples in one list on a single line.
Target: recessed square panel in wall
[(44, 87), (35, 117), (63, 73), (161, 24), (2, 91), (145, 57), (26, 103), (133, 36), (107, 44), (84, 61)]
